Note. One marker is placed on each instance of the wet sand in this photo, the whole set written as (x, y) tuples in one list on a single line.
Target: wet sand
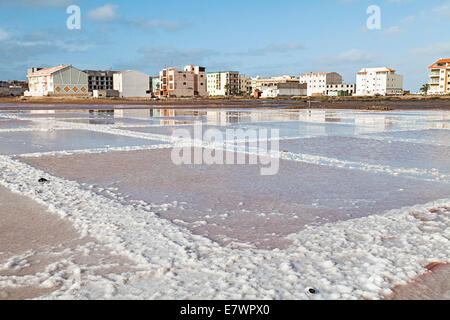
[(433, 285), (35, 245), (357, 103)]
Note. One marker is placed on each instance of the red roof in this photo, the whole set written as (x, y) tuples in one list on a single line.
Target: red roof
[(436, 64), (47, 71)]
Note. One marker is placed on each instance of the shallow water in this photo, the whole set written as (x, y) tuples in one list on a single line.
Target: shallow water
[(341, 172), (13, 143), (235, 203)]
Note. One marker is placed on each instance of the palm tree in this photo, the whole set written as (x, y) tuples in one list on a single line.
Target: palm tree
[(425, 88), (227, 88)]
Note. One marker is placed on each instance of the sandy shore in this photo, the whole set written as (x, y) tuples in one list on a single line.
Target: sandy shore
[(433, 285), (39, 251), (376, 103)]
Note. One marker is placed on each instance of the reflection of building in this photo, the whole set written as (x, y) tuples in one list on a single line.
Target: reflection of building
[(318, 82), (133, 113), (132, 84), (344, 89), (223, 83), (222, 118), (378, 81), (100, 80), (372, 123), (61, 80), (440, 77), (188, 83)]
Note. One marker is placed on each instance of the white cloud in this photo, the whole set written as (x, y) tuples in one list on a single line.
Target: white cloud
[(392, 30), (154, 24), (108, 12), (440, 49), (3, 35), (408, 20), (274, 49), (443, 11), (354, 56)]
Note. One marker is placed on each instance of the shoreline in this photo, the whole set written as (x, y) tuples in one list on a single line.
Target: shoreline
[(353, 103)]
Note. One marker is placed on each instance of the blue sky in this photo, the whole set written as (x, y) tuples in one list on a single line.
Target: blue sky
[(255, 37)]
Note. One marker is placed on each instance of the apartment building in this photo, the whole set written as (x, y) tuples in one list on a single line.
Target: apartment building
[(223, 83), (440, 77), (100, 80), (191, 82), (132, 84), (317, 82), (61, 80), (343, 89), (245, 85), (378, 81)]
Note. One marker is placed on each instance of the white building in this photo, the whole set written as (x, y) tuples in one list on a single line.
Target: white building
[(343, 89), (378, 81), (440, 77), (61, 80), (223, 83), (132, 84), (285, 89), (261, 84), (317, 82)]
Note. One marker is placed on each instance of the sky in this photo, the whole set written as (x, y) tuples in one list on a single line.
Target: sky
[(254, 37)]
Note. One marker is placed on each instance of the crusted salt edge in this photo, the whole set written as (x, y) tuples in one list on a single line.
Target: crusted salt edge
[(362, 258), (415, 173), (396, 139), (95, 150)]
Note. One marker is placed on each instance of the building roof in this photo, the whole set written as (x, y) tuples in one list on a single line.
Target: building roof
[(223, 72), (437, 63), (47, 71), (316, 74), (377, 70)]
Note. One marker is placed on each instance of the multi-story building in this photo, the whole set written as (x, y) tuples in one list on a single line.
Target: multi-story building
[(245, 85), (440, 77), (223, 83), (61, 80), (132, 84), (318, 82), (188, 83), (100, 80), (378, 81), (344, 89)]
